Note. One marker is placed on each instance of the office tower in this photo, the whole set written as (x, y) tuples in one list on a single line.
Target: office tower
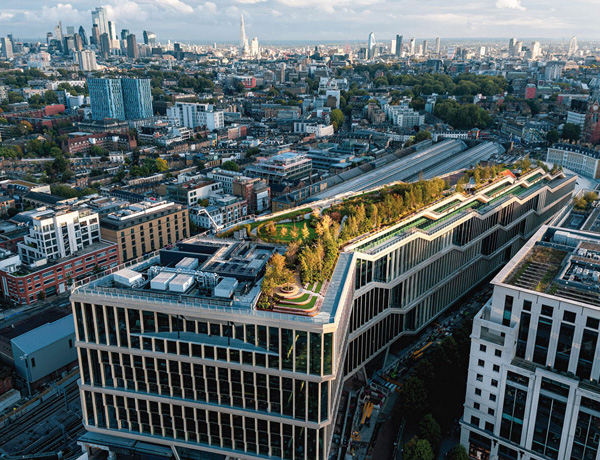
[(7, 49), (48, 37), (105, 46), (149, 38), (132, 48), (124, 34), (512, 43), (194, 115), (82, 34), (254, 48), (438, 46), (87, 60), (100, 18), (371, 46), (532, 389), (78, 42), (573, 46), (425, 44), (398, 45), (95, 37), (412, 47), (243, 39), (174, 353), (58, 33), (112, 34)]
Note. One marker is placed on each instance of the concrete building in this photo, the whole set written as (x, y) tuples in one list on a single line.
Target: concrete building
[(402, 115), (87, 60), (56, 234), (45, 351), (581, 160), (145, 227), (132, 48), (194, 115), (289, 166), (532, 390), (190, 367), (190, 192), (7, 48)]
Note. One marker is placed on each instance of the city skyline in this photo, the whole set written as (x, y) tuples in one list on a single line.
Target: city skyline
[(199, 20)]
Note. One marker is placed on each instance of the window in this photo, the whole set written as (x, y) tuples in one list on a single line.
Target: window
[(527, 305), (508, 304), (475, 420), (491, 411), (481, 363), (498, 353), (494, 383), (479, 378), (32, 362), (492, 397), (476, 405), (569, 316), (592, 323), (489, 426), (478, 391), (482, 348), (70, 343), (496, 368), (547, 310)]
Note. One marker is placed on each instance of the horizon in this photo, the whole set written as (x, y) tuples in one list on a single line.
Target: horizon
[(314, 22)]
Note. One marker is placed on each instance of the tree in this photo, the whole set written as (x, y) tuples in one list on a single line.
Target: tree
[(571, 132), (422, 136), (230, 166), (162, 165), (458, 452), (417, 449), (283, 231), (337, 118), (271, 229), (294, 232), (24, 128), (413, 398), (305, 232), (552, 137), (430, 429)]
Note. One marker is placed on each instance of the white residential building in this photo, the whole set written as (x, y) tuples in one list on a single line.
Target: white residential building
[(402, 115), (87, 60), (195, 115), (532, 390), (55, 234)]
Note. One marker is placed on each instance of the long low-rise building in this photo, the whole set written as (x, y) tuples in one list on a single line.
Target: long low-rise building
[(175, 354), (582, 160)]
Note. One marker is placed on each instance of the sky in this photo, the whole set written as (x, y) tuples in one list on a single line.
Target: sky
[(343, 21)]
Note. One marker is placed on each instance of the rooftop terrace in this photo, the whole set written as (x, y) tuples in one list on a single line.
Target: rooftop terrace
[(437, 216)]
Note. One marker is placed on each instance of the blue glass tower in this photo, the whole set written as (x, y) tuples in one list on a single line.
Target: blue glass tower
[(123, 99)]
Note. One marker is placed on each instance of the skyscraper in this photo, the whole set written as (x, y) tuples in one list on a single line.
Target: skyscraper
[(82, 34), (100, 18), (105, 45), (58, 33), (243, 39), (7, 49), (132, 48), (398, 45), (112, 35), (95, 37), (124, 34), (425, 46), (438, 46), (412, 47), (512, 43), (254, 48), (371, 46), (123, 99), (149, 38)]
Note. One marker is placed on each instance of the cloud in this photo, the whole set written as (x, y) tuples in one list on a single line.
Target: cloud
[(209, 8), (126, 11), (510, 4), (176, 5), (276, 14), (233, 12), (61, 12), (6, 16), (250, 2)]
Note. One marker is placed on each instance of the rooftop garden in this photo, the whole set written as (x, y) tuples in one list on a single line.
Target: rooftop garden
[(584, 203), (538, 270)]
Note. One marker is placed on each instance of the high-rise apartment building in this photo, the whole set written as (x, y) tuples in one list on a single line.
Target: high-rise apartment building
[(438, 46), (176, 358), (532, 390), (132, 48), (123, 99), (411, 49), (194, 115), (87, 60)]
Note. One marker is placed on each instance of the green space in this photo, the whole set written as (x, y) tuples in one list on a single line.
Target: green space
[(317, 290), (307, 306), (303, 298), (292, 232), (446, 206)]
